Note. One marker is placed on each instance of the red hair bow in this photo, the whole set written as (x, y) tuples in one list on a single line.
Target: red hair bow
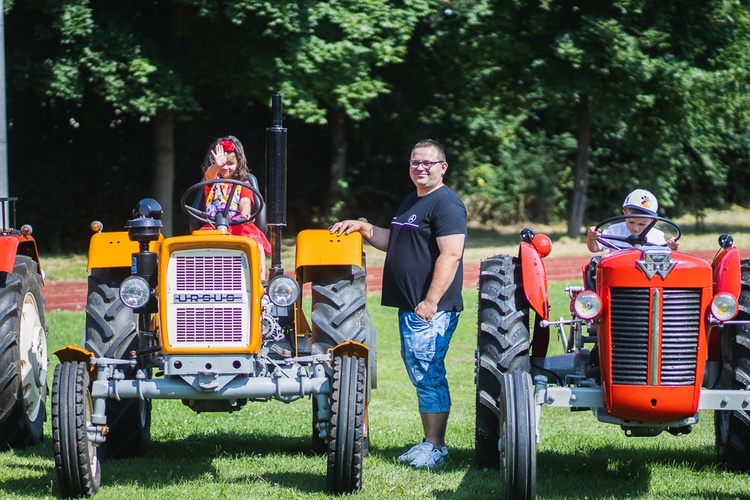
[(227, 145)]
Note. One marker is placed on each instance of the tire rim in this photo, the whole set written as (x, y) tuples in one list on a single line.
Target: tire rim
[(90, 448), (34, 362)]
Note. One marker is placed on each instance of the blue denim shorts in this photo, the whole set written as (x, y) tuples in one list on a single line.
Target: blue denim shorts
[(424, 345)]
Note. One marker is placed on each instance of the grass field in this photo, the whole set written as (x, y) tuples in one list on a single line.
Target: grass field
[(263, 451)]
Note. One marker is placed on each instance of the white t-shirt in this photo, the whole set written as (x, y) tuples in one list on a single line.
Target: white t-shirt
[(654, 236)]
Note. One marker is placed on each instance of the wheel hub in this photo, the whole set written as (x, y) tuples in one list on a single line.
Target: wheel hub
[(34, 361)]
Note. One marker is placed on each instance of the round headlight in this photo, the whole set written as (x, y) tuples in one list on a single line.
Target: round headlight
[(135, 292), (587, 305), (283, 290), (724, 306)]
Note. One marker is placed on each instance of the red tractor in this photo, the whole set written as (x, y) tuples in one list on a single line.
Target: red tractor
[(654, 336), (23, 334)]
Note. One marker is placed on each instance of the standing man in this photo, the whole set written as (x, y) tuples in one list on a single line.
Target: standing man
[(423, 277)]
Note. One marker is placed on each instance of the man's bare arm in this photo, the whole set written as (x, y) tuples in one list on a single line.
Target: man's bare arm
[(451, 251)]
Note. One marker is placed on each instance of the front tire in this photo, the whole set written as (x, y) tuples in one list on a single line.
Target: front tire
[(503, 343), (76, 458), (518, 436), (111, 331), (732, 428), (346, 446), (23, 356)]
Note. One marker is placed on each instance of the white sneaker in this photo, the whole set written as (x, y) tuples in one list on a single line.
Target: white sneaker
[(429, 457), (410, 455), (425, 447)]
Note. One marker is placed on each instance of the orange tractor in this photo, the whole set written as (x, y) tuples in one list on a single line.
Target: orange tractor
[(654, 336), (23, 334), (192, 318)]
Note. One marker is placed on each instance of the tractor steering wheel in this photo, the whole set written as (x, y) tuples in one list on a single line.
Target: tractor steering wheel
[(634, 240), (200, 213)]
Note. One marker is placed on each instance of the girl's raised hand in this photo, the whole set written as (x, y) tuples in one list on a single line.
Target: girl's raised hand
[(219, 156)]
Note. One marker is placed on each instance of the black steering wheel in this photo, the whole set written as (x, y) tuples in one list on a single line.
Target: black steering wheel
[(634, 240), (221, 218)]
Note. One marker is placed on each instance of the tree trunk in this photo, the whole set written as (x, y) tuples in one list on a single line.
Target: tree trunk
[(164, 166), (580, 184), (338, 156)]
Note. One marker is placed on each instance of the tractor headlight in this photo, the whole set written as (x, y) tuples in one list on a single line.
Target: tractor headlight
[(283, 290), (724, 306), (135, 292), (587, 305)]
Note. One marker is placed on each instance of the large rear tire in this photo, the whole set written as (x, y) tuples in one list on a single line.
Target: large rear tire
[(111, 331), (503, 343), (23, 356), (518, 436), (732, 428), (339, 307), (76, 458), (347, 439)]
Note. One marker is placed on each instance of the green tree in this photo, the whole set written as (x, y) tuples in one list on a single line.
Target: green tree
[(628, 80), (121, 54), (329, 62)]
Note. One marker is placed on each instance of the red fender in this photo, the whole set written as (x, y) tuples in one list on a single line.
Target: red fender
[(727, 271), (8, 250), (534, 278), (727, 277)]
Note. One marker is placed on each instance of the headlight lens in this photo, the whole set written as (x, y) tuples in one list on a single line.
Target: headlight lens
[(724, 306), (283, 290), (135, 292), (587, 305)]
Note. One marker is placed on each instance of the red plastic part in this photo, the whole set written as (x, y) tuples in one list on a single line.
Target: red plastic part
[(727, 272), (534, 279), (8, 250)]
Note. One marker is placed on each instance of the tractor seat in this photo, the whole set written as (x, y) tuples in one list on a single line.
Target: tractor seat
[(200, 203)]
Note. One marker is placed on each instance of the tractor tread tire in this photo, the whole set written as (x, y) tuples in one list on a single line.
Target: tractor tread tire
[(111, 331), (17, 430), (339, 312), (503, 344), (346, 446), (76, 460), (732, 429)]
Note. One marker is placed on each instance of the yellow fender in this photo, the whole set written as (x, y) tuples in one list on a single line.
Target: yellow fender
[(318, 247), (352, 348), (74, 353), (114, 249)]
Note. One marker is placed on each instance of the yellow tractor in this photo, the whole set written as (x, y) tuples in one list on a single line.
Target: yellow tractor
[(192, 318)]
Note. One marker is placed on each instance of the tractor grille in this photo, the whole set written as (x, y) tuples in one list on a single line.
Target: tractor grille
[(679, 336), (209, 273), (629, 335), (208, 298), (679, 332)]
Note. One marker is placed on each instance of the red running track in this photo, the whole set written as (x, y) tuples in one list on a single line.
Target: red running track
[(71, 295)]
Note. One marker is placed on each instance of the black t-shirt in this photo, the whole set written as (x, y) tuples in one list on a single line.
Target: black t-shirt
[(413, 250)]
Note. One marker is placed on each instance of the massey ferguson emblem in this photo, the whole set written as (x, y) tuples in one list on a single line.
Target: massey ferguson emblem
[(656, 261)]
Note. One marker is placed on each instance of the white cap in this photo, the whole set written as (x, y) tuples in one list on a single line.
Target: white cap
[(642, 201)]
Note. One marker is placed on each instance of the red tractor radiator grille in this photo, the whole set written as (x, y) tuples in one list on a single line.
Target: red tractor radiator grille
[(677, 348)]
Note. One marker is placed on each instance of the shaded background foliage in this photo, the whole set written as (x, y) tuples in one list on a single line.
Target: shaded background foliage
[(501, 83)]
